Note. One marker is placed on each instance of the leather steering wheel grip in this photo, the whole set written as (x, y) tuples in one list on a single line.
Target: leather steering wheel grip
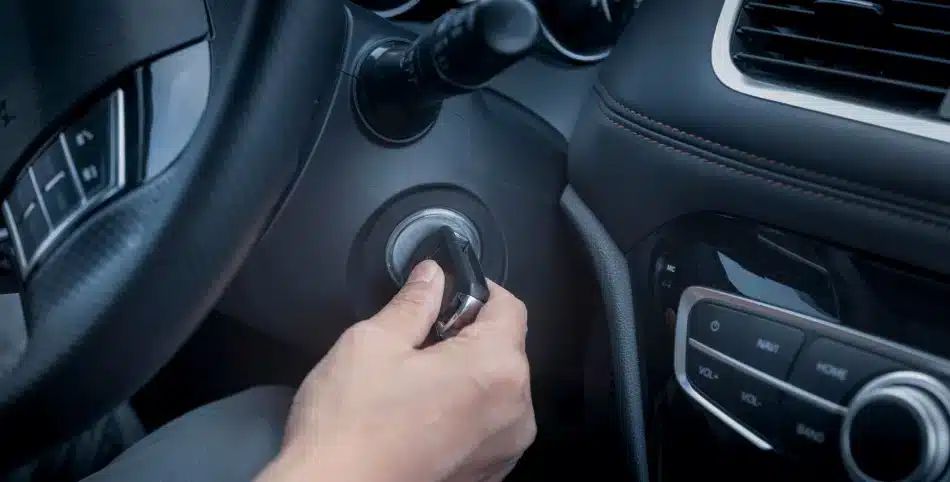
[(126, 289)]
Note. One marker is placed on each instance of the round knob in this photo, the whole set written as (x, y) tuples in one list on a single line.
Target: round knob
[(897, 429)]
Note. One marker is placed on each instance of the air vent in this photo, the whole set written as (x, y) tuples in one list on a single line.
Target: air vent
[(893, 54)]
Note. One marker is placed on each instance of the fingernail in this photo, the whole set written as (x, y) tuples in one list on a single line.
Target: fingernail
[(424, 272)]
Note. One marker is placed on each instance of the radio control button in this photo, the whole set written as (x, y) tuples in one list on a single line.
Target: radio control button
[(833, 370), (810, 433), (709, 376), (754, 403), (744, 398), (763, 344)]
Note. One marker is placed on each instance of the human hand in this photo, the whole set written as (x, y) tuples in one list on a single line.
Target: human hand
[(377, 408)]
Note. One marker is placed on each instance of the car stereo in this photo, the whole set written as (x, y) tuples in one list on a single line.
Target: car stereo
[(813, 389), (827, 358)]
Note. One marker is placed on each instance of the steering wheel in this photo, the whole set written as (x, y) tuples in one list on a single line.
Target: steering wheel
[(144, 147)]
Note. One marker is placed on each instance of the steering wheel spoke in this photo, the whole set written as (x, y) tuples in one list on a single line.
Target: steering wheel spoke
[(133, 204)]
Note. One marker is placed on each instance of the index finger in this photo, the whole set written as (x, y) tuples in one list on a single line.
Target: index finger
[(504, 316)]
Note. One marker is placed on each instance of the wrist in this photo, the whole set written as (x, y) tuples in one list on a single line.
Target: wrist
[(289, 466), (297, 463)]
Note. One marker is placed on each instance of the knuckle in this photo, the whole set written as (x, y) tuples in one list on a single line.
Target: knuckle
[(519, 308), (519, 311), (410, 301), (522, 372), (528, 433), (350, 333), (359, 334), (508, 377)]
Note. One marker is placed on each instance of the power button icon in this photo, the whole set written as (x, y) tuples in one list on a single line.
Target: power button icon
[(714, 326)]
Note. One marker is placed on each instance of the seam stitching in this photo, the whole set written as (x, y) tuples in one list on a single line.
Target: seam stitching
[(804, 170), (774, 182)]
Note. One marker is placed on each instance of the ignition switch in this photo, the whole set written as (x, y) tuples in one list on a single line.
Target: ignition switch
[(451, 240)]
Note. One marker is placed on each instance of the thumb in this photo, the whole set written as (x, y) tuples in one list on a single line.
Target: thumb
[(411, 313)]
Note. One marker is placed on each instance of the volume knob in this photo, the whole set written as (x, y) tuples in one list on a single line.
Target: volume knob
[(897, 429)]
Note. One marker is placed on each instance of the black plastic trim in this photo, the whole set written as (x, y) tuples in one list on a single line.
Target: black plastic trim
[(610, 267)]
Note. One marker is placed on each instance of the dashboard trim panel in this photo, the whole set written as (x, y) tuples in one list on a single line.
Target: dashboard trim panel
[(613, 275), (727, 73)]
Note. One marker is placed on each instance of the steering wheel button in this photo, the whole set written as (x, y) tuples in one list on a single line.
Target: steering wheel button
[(90, 144), (23, 201), (28, 218), (32, 232), (57, 187)]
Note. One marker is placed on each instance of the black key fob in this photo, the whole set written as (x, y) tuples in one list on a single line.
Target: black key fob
[(466, 289)]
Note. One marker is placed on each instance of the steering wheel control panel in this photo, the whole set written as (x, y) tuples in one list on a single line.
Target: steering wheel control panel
[(813, 389), (80, 169), (123, 139)]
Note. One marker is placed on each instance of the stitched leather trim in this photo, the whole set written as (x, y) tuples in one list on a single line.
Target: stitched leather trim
[(942, 224), (615, 106)]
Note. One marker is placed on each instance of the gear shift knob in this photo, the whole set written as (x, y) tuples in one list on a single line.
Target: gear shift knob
[(400, 85)]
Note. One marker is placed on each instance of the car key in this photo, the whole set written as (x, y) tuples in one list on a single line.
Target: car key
[(466, 289)]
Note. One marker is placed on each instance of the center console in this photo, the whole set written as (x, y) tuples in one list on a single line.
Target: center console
[(842, 395), (780, 214), (808, 357)]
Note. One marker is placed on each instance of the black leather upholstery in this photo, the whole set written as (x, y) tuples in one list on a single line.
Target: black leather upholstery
[(662, 136)]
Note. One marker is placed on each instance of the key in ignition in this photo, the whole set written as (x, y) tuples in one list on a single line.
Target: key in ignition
[(466, 289)]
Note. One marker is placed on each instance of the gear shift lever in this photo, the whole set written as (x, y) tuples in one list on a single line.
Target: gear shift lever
[(401, 85)]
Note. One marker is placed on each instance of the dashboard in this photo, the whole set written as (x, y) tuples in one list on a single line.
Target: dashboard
[(741, 205), (773, 329), (769, 174)]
